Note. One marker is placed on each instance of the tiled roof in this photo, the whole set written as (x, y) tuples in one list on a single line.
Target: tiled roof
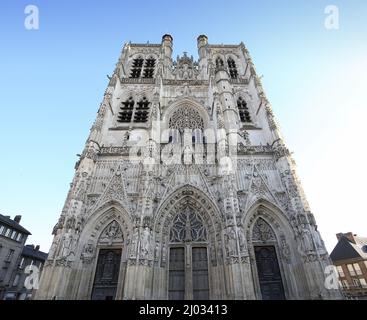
[(29, 251), (346, 249), (11, 223)]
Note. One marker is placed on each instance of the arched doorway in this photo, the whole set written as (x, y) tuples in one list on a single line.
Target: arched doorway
[(267, 263), (188, 231), (188, 257), (109, 250)]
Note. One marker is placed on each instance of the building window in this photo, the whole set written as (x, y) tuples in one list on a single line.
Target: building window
[(351, 270), (356, 283), (13, 235), (136, 68), (142, 111), (7, 232), (149, 68), (363, 283), (340, 271), (2, 228), (126, 110), (16, 280), (21, 264), (357, 268), (243, 110), (219, 64), (232, 68), (19, 237), (345, 284), (9, 255)]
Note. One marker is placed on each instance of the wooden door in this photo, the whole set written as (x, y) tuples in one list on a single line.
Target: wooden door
[(200, 279), (269, 273), (107, 274), (176, 290)]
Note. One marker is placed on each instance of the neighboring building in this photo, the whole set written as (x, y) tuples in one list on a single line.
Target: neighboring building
[(15, 256), (185, 189), (31, 257), (12, 239), (350, 258)]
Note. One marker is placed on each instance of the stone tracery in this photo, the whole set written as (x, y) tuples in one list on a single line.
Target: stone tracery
[(186, 117)]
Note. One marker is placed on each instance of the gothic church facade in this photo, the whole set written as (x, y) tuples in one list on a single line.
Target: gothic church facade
[(185, 189)]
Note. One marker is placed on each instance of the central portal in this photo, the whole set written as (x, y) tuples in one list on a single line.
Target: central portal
[(188, 258)]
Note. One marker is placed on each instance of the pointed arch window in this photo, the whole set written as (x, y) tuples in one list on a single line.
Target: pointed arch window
[(142, 111), (136, 67), (243, 110), (197, 136), (138, 112), (219, 63), (232, 68), (174, 136), (126, 110), (149, 68)]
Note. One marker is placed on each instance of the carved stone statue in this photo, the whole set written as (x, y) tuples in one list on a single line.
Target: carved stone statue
[(231, 241), (242, 240), (144, 242), (306, 238)]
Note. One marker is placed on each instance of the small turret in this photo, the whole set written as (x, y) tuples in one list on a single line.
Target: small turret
[(167, 42), (202, 45)]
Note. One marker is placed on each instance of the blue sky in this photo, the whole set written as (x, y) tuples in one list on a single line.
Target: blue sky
[(52, 81)]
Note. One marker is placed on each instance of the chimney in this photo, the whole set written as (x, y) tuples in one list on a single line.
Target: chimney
[(348, 235), (37, 247), (17, 218)]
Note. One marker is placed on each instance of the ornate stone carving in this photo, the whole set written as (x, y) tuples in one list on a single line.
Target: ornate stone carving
[(285, 250), (185, 68), (145, 243), (89, 252), (111, 234), (188, 226), (67, 247), (231, 242), (262, 231), (186, 117)]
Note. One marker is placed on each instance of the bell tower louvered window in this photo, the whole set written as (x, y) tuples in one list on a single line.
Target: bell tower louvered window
[(136, 68), (126, 111), (243, 110), (219, 64), (149, 68), (142, 111), (232, 68)]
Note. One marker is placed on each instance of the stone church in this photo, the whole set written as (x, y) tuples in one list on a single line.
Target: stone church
[(185, 189)]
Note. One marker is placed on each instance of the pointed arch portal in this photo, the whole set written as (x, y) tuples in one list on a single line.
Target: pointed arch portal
[(189, 224), (108, 263), (267, 263)]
